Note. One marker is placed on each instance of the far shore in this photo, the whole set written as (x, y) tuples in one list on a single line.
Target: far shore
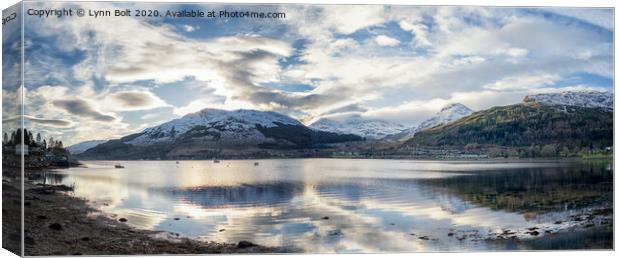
[(429, 159)]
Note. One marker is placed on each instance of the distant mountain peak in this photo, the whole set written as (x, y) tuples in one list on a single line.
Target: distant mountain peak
[(446, 115), (588, 99), (84, 146), (357, 125), (240, 123), (454, 106), (264, 118)]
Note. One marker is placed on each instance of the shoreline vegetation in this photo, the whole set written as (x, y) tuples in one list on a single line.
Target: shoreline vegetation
[(593, 157), (57, 223)]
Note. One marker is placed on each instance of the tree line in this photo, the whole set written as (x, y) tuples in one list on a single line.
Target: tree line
[(30, 139)]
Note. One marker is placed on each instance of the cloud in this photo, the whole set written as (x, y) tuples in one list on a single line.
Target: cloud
[(211, 102), (134, 100), (57, 123), (523, 82), (84, 109), (189, 28), (383, 40), (517, 52), (410, 113), (419, 31), (351, 18), (169, 60)]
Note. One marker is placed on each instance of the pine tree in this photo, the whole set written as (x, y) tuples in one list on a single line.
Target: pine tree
[(30, 138), (38, 137), (5, 138), (13, 137), (26, 135)]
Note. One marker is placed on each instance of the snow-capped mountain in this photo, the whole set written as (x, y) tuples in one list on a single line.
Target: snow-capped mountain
[(588, 99), (367, 128), (446, 115), (213, 133), (237, 124), (84, 146)]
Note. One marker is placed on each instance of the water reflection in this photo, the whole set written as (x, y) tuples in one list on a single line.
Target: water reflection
[(245, 194), (535, 190), (324, 205)]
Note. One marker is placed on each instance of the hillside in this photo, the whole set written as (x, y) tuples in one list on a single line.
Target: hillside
[(589, 99), (562, 128)]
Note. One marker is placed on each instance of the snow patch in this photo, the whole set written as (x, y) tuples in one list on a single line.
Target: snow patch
[(587, 99), (367, 128)]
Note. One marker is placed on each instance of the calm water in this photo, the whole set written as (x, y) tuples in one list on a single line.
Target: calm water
[(336, 205)]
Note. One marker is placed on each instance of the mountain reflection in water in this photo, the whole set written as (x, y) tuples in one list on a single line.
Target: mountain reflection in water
[(336, 205), (534, 190)]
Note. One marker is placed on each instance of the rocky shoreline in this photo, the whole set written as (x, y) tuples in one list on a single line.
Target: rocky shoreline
[(59, 224)]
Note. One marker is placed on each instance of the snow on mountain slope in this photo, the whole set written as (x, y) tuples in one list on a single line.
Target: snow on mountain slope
[(588, 99), (446, 115), (84, 146), (367, 128), (237, 124)]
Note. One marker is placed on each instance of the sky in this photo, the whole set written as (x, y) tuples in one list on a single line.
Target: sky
[(109, 77)]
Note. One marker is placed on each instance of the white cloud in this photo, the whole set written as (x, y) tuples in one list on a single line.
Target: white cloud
[(468, 60), (347, 19), (149, 116), (420, 32), (339, 45), (409, 113), (189, 28), (383, 40), (524, 82), (517, 52)]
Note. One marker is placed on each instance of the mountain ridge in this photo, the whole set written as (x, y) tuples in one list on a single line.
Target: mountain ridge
[(587, 99), (529, 130), (570, 120), (367, 128), (213, 133)]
